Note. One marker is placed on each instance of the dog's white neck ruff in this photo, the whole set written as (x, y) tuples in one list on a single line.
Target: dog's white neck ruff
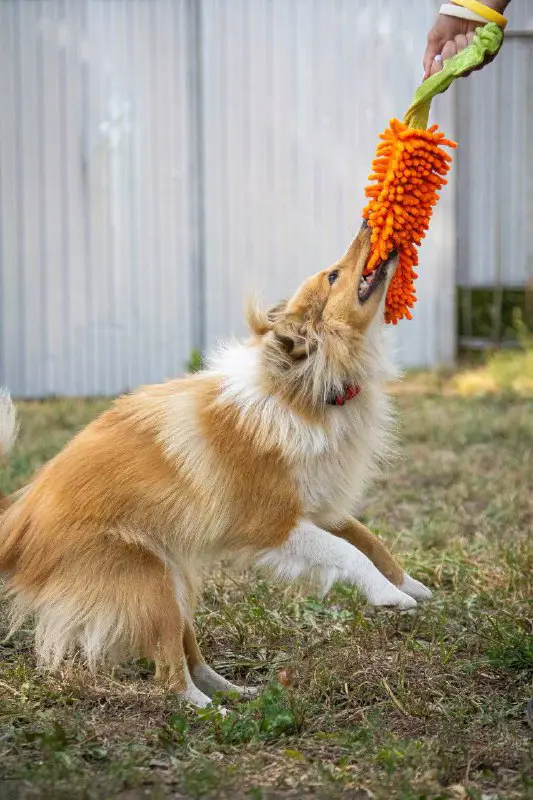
[(274, 424)]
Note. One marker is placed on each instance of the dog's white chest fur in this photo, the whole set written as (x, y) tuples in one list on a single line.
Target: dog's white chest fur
[(333, 463), (357, 442)]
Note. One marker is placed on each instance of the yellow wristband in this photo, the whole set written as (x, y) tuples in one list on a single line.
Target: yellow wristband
[(484, 11)]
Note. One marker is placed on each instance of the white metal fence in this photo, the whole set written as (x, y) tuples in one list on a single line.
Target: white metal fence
[(495, 168), (161, 158), (97, 194)]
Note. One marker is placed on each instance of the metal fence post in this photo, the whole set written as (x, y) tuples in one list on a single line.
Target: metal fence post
[(196, 170)]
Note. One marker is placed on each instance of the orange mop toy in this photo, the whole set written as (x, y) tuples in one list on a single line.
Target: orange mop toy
[(409, 170)]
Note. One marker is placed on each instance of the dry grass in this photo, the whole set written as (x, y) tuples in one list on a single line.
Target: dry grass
[(424, 705)]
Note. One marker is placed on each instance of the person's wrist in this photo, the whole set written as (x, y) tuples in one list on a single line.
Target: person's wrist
[(496, 5)]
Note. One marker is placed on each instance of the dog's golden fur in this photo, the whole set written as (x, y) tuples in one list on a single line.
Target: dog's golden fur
[(245, 460)]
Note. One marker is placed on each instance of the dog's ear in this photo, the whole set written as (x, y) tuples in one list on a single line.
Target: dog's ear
[(277, 312), (261, 322), (289, 335), (287, 330)]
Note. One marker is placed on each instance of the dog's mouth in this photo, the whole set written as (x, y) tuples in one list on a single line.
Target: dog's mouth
[(370, 282)]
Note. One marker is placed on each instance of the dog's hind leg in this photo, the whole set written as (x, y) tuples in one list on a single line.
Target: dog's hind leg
[(167, 643), (155, 620), (368, 543), (205, 678), (132, 597)]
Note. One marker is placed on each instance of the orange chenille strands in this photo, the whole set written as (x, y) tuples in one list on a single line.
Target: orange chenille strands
[(408, 172)]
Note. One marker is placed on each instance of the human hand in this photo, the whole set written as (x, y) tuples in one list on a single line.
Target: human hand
[(450, 35)]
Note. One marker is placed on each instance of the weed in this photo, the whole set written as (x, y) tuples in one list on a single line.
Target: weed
[(510, 645), (196, 362), (268, 717), (174, 734)]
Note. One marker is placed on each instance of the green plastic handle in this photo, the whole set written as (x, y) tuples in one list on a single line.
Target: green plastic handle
[(487, 41)]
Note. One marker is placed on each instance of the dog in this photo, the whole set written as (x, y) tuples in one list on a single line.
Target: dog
[(260, 458)]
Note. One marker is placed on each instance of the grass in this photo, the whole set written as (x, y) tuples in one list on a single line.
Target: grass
[(357, 703)]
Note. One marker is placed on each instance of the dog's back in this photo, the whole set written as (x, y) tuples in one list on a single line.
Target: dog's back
[(152, 487)]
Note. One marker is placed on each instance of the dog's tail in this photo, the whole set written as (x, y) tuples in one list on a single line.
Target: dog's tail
[(8, 433)]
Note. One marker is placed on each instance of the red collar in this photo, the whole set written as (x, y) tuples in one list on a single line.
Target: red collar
[(348, 393)]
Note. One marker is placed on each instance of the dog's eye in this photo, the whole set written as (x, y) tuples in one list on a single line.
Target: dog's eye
[(332, 277)]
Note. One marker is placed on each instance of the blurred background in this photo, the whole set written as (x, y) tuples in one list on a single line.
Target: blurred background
[(161, 159)]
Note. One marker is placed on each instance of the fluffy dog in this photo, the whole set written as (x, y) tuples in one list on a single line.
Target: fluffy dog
[(261, 457)]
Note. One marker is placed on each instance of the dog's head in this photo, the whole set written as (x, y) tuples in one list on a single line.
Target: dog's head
[(317, 341)]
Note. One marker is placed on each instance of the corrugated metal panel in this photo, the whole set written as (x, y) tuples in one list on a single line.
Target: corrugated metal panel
[(495, 166), (295, 94), (520, 16), (10, 218), (95, 194)]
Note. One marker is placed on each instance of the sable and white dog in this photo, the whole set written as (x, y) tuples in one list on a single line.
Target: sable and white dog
[(262, 456)]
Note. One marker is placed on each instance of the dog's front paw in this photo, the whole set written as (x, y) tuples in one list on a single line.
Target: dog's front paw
[(414, 588), (389, 596)]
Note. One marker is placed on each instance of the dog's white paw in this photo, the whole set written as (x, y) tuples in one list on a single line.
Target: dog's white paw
[(199, 700), (209, 681), (248, 692), (389, 596), (194, 697), (414, 588)]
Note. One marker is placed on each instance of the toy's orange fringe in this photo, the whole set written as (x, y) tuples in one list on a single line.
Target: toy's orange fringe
[(408, 172)]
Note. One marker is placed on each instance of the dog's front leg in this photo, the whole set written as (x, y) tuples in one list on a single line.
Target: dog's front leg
[(310, 552), (360, 536)]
